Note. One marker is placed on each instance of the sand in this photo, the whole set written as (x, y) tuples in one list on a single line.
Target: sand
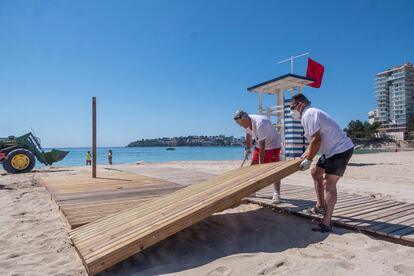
[(33, 239), (246, 240)]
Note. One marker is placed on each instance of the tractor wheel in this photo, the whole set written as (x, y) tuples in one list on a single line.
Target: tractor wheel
[(19, 161)]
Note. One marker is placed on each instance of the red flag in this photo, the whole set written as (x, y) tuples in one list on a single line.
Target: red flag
[(315, 72)]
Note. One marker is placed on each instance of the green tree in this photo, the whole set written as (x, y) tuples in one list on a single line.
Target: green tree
[(355, 129), (410, 128), (410, 124), (359, 129)]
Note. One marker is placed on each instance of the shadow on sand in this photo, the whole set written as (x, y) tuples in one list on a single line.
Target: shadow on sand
[(218, 236), (368, 164)]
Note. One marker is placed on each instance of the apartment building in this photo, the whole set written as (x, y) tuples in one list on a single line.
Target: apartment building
[(394, 89)]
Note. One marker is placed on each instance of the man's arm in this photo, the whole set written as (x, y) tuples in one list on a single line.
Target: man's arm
[(248, 141), (262, 151), (314, 145)]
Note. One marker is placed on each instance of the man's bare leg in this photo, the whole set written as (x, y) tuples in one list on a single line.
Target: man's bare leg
[(276, 185), (276, 193), (329, 184), (317, 175)]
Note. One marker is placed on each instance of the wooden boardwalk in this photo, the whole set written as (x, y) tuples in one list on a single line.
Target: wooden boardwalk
[(82, 199), (388, 218)]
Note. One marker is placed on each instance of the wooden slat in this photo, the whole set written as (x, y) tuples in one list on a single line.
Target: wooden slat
[(370, 219), (112, 239), (389, 226)]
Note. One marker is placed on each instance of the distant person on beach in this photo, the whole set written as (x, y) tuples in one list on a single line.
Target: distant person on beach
[(88, 158), (110, 157), (324, 135), (268, 142)]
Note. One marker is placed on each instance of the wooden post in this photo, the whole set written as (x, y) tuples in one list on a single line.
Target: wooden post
[(93, 137)]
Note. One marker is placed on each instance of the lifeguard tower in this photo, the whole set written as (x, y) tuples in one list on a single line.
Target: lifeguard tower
[(291, 131)]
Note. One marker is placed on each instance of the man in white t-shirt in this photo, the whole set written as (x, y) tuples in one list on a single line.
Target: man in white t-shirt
[(327, 138), (268, 141)]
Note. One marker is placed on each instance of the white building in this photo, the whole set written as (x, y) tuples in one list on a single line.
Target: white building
[(394, 89), (373, 116)]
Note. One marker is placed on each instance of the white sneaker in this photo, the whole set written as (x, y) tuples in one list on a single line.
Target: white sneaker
[(276, 198)]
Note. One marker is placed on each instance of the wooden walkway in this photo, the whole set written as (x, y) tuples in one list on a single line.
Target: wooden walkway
[(386, 218), (82, 199), (107, 241)]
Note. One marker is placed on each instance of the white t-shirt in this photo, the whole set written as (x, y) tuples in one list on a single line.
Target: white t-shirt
[(333, 139), (262, 129)]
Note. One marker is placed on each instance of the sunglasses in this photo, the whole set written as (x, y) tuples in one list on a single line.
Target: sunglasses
[(294, 106)]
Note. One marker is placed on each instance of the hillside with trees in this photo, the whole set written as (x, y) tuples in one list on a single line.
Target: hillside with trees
[(190, 141)]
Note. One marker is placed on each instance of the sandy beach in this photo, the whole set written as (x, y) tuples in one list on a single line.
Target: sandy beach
[(246, 240)]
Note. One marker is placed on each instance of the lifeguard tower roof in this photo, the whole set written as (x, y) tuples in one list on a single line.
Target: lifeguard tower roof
[(282, 83)]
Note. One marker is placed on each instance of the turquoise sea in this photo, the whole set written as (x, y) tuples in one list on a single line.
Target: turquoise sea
[(122, 155)]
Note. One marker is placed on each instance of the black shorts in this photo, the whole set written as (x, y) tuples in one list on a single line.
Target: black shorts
[(336, 164)]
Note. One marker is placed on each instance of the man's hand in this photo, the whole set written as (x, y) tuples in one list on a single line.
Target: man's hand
[(305, 164)]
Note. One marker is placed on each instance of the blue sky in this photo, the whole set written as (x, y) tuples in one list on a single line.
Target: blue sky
[(172, 68)]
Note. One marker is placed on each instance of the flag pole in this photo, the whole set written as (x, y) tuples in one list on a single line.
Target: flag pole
[(292, 59)]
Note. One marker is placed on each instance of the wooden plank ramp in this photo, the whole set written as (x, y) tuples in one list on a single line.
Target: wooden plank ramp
[(107, 241), (386, 218)]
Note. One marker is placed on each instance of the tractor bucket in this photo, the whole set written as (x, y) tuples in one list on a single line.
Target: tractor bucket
[(55, 155)]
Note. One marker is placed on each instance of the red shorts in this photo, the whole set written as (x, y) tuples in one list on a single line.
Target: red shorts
[(272, 155)]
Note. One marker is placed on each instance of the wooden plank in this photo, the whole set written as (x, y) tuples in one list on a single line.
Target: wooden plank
[(364, 208), (77, 216), (390, 226), (380, 216), (404, 232), (405, 222), (408, 236), (177, 175), (128, 233), (347, 202)]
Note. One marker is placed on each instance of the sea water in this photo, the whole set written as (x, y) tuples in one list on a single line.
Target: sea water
[(122, 155)]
